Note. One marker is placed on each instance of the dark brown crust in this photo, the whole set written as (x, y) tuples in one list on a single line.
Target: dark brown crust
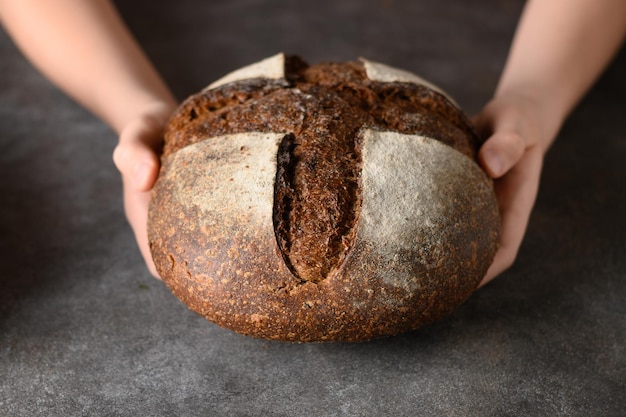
[(278, 286), (270, 106)]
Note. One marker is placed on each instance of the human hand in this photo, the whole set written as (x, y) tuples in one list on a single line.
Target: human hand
[(513, 157), (137, 158)]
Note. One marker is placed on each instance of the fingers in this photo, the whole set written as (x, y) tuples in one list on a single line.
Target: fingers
[(136, 157), (136, 154), (136, 207), (516, 193), (513, 157)]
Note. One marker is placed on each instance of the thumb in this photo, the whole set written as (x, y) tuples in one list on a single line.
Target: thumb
[(135, 157), (504, 147), (501, 152)]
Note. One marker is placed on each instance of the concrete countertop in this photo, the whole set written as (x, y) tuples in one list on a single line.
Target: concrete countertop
[(85, 331)]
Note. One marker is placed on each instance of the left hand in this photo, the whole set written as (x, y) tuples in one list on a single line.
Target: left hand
[(137, 158)]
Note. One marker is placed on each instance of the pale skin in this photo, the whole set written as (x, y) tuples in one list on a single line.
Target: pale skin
[(84, 48), (92, 56), (559, 50)]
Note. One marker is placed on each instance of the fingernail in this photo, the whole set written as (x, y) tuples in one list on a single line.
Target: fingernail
[(493, 162)]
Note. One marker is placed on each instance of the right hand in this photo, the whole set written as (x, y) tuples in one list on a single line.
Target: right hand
[(513, 157)]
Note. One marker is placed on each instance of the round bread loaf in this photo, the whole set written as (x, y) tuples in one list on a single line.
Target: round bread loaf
[(339, 201)]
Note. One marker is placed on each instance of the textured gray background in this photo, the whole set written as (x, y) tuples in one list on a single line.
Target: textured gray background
[(84, 330)]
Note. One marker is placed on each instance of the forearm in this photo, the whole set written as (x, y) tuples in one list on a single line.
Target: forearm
[(84, 48), (560, 49)]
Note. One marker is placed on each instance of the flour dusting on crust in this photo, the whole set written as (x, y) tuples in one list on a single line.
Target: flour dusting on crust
[(236, 175), (270, 68), (416, 192), (386, 74)]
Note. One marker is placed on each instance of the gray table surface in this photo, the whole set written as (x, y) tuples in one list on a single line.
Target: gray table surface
[(85, 331)]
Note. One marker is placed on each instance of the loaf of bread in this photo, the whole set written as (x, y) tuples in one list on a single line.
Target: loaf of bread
[(338, 201)]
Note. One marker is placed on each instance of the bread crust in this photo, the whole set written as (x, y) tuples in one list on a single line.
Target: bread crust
[(423, 222)]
